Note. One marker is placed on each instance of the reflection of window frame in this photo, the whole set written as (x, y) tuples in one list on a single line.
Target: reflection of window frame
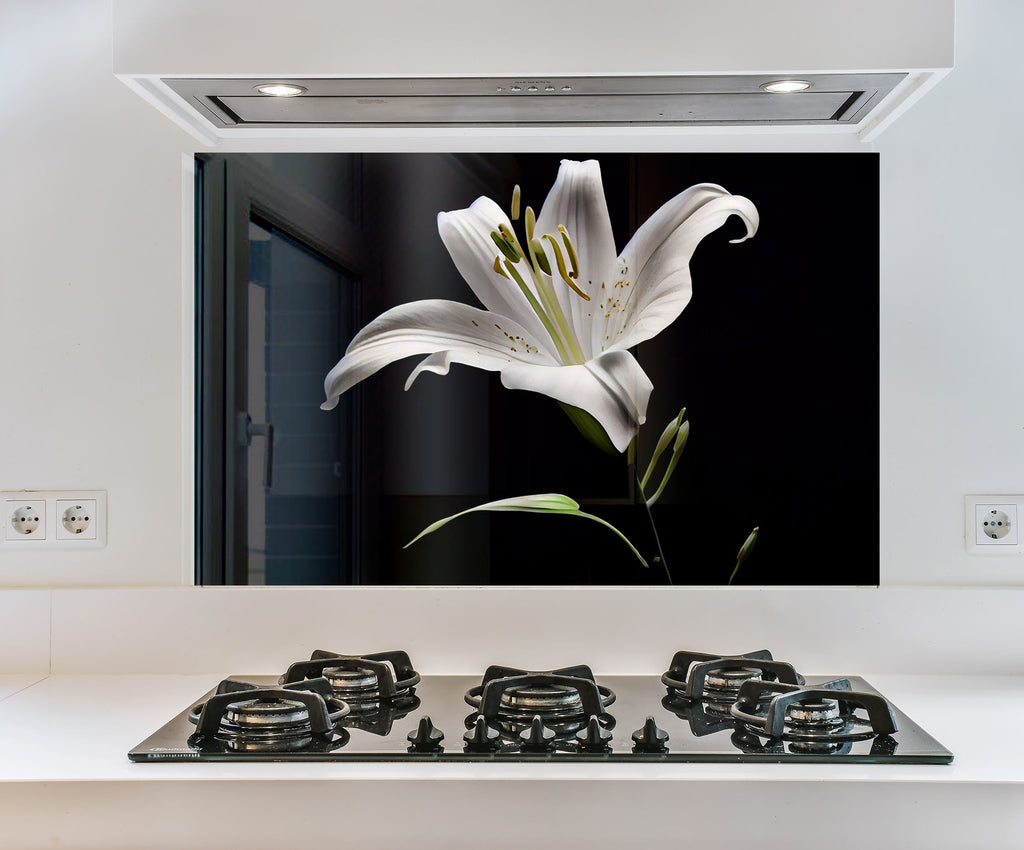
[(229, 193)]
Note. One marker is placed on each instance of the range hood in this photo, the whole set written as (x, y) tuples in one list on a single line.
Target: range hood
[(541, 101), (646, 66)]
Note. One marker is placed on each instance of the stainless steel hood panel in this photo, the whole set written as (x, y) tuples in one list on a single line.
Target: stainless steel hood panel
[(577, 101), (692, 67)]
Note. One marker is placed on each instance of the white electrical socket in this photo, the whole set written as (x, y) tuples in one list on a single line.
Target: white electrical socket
[(991, 525), (24, 519), (76, 519), (54, 519)]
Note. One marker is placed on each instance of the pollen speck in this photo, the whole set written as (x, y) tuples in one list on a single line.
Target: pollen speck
[(475, 325)]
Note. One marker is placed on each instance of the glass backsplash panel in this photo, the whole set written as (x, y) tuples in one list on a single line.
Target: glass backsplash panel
[(775, 358)]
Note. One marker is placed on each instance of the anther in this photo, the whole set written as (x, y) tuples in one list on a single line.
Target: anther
[(570, 250), (538, 252), (560, 260), (505, 246), (531, 223)]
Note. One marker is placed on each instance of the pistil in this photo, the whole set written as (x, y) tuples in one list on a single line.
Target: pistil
[(560, 346)]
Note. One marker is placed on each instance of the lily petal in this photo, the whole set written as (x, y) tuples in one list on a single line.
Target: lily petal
[(612, 388), (658, 258), (467, 236), (475, 337), (577, 201)]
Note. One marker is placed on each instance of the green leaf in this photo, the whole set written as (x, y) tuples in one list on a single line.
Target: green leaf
[(590, 428), (543, 503)]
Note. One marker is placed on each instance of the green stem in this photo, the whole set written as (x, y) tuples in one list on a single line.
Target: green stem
[(654, 528)]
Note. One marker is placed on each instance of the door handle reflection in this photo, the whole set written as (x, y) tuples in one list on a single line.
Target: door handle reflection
[(247, 429)]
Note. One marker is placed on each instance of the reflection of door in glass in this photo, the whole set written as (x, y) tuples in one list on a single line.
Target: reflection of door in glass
[(294, 505)]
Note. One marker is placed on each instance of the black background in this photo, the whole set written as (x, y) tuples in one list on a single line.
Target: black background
[(776, 359)]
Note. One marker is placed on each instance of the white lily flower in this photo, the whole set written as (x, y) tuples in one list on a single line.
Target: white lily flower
[(561, 313)]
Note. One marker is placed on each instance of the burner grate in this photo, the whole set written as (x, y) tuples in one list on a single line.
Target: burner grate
[(247, 717), (378, 677), (702, 676), (821, 714)]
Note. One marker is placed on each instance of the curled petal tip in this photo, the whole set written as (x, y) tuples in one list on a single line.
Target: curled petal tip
[(746, 210)]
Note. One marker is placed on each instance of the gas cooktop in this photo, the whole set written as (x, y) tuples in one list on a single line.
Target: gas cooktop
[(704, 708)]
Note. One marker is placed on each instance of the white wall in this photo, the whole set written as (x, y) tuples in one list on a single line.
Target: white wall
[(90, 317), (952, 305), (94, 386)]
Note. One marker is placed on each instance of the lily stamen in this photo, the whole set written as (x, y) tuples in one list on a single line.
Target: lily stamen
[(542, 259), (545, 319), (531, 223), (499, 269), (515, 203), (560, 260), (570, 249), (506, 246), (508, 234)]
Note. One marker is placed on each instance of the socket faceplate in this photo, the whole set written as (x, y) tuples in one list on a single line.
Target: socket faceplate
[(991, 525), (55, 526), (24, 520)]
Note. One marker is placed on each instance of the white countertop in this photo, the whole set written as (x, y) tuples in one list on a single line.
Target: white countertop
[(64, 740), (65, 779), (120, 711), (12, 684)]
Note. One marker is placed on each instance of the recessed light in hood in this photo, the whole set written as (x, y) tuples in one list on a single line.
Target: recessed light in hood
[(786, 86), (281, 89), (741, 100)]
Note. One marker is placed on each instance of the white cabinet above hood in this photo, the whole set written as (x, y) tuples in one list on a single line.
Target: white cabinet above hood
[(673, 69)]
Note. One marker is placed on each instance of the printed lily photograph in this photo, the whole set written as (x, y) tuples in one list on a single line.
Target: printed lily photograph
[(555, 369)]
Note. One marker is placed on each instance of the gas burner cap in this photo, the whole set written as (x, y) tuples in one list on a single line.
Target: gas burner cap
[(814, 715), (563, 698), (344, 680), (265, 723), (545, 700), (729, 678), (267, 714)]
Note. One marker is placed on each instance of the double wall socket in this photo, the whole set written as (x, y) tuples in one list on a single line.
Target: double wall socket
[(53, 519), (992, 525)]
